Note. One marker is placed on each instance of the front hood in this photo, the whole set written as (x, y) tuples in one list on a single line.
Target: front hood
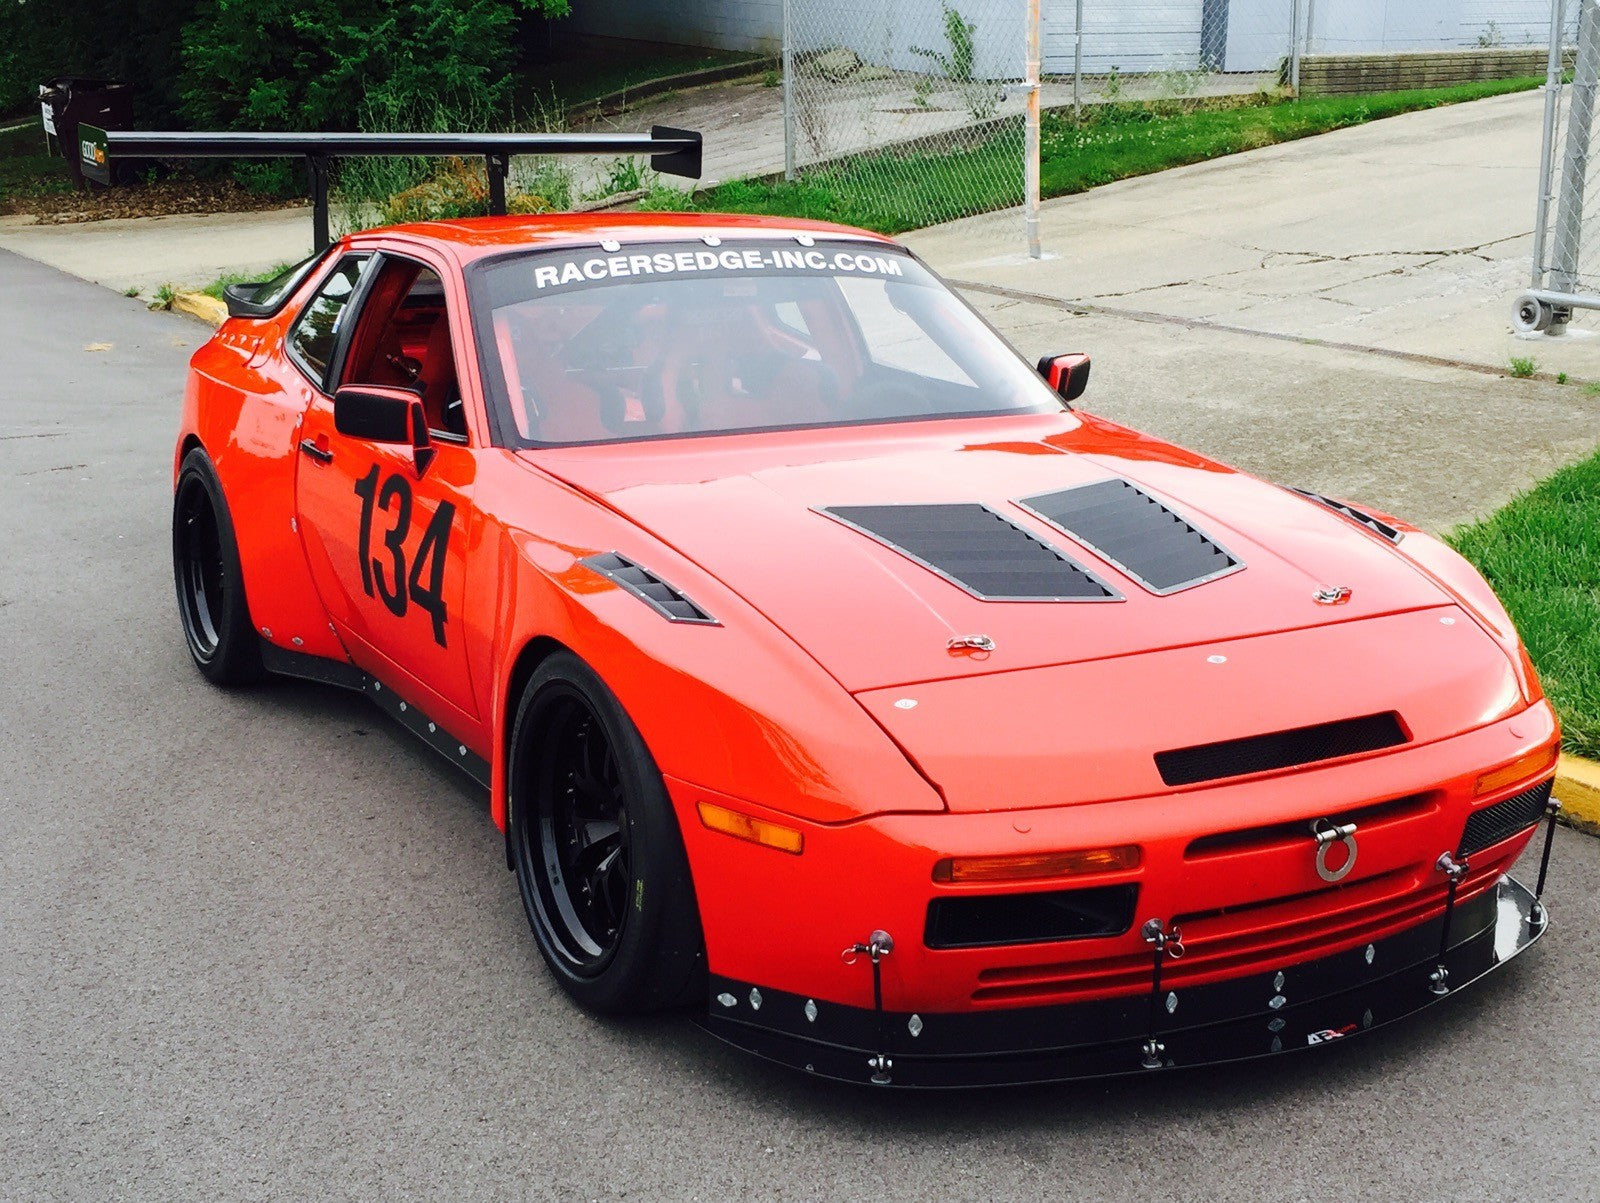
[(746, 509)]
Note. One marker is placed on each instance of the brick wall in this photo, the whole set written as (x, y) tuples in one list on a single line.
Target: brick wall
[(1328, 74)]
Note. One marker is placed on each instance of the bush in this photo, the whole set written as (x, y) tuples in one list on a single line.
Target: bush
[(316, 64)]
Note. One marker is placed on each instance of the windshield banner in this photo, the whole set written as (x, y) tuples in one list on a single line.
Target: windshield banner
[(544, 274)]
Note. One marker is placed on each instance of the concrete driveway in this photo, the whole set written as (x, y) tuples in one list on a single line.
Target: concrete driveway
[(260, 945), (1410, 235)]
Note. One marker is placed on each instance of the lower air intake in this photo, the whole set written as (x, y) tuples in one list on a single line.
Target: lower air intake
[(1280, 750), (987, 921), (1503, 820)]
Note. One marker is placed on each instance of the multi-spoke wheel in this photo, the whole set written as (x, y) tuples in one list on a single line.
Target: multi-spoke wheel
[(205, 567), (597, 850)]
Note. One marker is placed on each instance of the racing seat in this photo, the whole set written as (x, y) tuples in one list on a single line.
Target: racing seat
[(436, 378)]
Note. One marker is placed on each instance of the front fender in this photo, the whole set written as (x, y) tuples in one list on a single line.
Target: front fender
[(736, 707)]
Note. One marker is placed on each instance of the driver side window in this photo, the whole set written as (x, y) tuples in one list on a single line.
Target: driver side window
[(402, 340)]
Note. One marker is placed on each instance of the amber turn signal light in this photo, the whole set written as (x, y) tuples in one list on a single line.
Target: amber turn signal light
[(1523, 767), (1035, 866), (748, 827)]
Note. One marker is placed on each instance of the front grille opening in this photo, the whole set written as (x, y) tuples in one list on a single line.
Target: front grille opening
[(1503, 820), (1280, 749), (989, 920), (1276, 835)]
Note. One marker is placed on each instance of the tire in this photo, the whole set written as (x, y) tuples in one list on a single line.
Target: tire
[(210, 583), (597, 850), (1530, 315)]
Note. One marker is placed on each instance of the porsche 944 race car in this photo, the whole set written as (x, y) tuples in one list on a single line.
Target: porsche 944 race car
[(828, 670)]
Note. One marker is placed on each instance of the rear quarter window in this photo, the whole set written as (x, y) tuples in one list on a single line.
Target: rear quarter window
[(316, 331)]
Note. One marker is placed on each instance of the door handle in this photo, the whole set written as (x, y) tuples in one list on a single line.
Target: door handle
[(321, 454)]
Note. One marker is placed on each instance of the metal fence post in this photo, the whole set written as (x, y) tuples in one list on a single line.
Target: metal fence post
[(1547, 157), (1030, 136), (1077, 62), (1575, 165), (1294, 48), (788, 92)]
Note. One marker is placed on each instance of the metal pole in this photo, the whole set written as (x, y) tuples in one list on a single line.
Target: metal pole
[(321, 235), (788, 93), (1030, 137), (1310, 36), (1294, 48), (1547, 147), (1575, 165), (1077, 63)]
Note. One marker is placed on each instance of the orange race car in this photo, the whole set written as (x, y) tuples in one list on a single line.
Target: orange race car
[(828, 670)]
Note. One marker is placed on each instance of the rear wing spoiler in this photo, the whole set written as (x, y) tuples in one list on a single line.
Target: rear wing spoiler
[(672, 152)]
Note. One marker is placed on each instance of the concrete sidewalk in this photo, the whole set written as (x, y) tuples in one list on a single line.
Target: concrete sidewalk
[(1409, 235)]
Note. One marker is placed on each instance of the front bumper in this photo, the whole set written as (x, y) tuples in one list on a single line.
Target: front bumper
[(1312, 1002)]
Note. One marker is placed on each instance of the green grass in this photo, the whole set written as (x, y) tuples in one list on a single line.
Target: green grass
[(26, 169), (1541, 552), (1114, 142), (214, 289), (1523, 366)]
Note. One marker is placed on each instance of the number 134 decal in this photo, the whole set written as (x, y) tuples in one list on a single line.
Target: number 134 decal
[(424, 584)]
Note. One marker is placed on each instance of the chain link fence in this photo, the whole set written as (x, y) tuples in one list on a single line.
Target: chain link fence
[(930, 99), (1566, 236)]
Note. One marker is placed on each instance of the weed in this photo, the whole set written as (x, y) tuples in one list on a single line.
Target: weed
[(1491, 36), (1592, 389), (1561, 377), (131, 291), (1112, 88), (960, 34), (771, 79), (1523, 366), (163, 297), (921, 91)]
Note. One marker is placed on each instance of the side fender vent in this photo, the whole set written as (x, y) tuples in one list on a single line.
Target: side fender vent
[(1281, 749), (1376, 526), (1124, 525), (661, 597)]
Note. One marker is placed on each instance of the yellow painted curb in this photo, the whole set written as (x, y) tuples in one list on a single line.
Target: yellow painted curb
[(1578, 791), (197, 304)]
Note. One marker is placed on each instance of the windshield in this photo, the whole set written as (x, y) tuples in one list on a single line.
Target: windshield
[(687, 338)]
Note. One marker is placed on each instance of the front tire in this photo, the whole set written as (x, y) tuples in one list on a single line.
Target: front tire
[(210, 582), (599, 858)]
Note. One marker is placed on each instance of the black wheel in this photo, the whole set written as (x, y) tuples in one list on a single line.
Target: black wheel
[(205, 565), (597, 850)]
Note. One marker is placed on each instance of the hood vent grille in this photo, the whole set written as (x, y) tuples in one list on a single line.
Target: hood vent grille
[(1280, 750), (977, 549), (1393, 534), (1123, 524), (648, 588)]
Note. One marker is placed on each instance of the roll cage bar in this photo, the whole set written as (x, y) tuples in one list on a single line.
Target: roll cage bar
[(672, 152)]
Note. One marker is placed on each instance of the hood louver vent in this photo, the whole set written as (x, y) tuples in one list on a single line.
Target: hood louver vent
[(1280, 750), (1393, 534), (1123, 524), (648, 588), (972, 546)]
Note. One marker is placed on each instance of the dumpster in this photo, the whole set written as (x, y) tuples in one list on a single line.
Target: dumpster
[(69, 99)]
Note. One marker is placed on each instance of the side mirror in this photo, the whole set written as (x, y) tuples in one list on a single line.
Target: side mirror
[(384, 415), (1067, 374)]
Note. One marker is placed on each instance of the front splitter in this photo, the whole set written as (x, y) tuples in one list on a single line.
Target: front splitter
[(1265, 1014)]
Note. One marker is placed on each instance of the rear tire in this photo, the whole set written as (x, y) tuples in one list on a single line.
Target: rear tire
[(210, 582), (595, 843)]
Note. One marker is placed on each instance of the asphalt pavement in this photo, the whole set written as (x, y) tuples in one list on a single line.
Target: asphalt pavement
[(260, 945)]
